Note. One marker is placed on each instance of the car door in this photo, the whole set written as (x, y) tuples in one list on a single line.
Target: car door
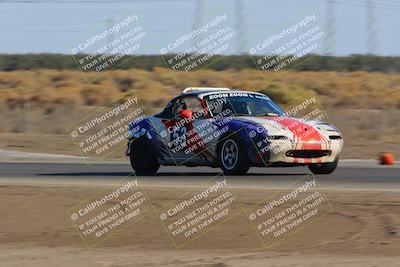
[(184, 143)]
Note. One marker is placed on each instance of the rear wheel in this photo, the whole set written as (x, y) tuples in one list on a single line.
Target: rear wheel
[(324, 168), (143, 158), (232, 157)]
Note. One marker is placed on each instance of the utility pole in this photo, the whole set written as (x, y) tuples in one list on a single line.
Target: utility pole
[(330, 29), (395, 40), (372, 32), (240, 27), (109, 40), (198, 18)]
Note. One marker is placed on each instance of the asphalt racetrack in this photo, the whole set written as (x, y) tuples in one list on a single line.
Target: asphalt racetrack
[(346, 176)]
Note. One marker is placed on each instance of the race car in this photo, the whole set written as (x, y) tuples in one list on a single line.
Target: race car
[(233, 130)]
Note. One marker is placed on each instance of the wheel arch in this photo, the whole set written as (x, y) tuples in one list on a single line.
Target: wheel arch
[(245, 141), (237, 136)]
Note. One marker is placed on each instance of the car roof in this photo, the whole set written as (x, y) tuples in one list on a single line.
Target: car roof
[(200, 94)]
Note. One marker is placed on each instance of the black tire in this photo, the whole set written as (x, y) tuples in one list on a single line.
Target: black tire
[(143, 158), (232, 157), (324, 168)]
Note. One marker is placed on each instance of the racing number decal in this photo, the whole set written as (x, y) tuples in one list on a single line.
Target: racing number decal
[(179, 133)]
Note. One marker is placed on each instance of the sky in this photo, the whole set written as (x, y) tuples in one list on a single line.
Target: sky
[(57, 26)]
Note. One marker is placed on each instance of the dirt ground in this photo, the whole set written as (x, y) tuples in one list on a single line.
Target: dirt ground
[(362, 230)]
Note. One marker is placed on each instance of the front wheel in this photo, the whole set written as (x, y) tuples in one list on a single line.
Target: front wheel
[(143, 158), (324, 168), (232, 157)]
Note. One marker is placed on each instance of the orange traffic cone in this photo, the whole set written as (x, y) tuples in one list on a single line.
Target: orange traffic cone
[(387, 159)]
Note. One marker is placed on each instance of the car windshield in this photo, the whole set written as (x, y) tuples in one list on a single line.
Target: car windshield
[(242, 104)]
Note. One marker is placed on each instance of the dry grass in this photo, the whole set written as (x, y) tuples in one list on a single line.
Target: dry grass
[(353, 101), (355, 89)]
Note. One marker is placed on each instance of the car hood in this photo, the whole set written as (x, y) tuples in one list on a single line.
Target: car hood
[(293, 128)]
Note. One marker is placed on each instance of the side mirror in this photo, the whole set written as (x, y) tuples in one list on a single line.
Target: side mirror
[(186, 114)]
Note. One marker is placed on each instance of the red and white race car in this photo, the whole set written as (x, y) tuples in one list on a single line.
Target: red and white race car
[(233, 130)]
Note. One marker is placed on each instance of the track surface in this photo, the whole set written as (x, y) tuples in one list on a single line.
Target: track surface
[(370, 178)]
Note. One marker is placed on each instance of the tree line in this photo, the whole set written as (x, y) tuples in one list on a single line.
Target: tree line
[(10, 62)]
